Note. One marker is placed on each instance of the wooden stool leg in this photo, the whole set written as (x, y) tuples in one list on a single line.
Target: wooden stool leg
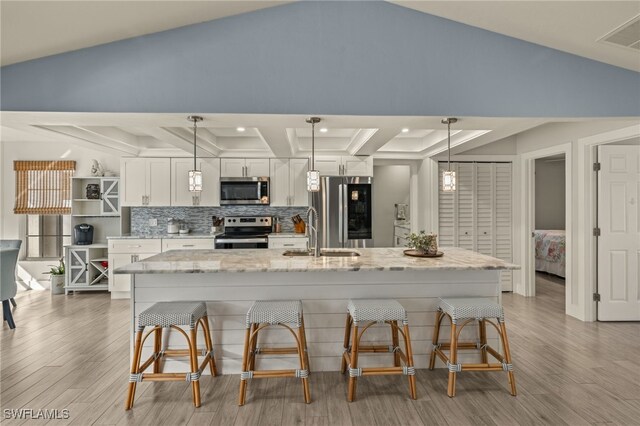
[(195, 384), (157, 348), (453, 360), (254, 345), (436, 336), (347, 337), (412, 378), (305, 347), (303, 363), (209, 345), (507, 356), (395, 342), (245, 364), (354, 364), (482, 326), (135, 364)]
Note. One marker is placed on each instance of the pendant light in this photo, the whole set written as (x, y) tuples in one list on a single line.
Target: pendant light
[(449, 176), (313, 176), (195, 175)]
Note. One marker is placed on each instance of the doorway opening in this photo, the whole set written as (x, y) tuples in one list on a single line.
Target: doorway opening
[(391, 186), (549, 235)]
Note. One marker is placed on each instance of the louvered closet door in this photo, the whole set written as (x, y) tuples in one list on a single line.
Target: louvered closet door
[(484, 208), (465, 188), (503, 225), (446, 212)]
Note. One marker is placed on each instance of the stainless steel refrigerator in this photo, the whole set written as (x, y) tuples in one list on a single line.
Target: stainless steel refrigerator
[(345, 211)]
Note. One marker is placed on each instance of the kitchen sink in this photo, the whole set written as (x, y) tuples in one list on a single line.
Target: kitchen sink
[(327, 253)]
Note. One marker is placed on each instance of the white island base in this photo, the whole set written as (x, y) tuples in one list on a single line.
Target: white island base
[(324, 294)]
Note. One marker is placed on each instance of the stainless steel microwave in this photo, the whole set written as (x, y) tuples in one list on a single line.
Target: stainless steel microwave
[(244, 190)]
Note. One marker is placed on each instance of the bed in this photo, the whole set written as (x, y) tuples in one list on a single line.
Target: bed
[(550, 251)]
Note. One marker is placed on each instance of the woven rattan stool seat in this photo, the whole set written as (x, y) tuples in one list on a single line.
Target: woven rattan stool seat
[(166, 314), (376, 310), (461, 308), (275, 312)]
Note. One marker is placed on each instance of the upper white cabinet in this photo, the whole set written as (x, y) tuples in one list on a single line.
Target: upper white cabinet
[(289, 182), (344, 165), (180, 194), (244, 167), (145, 181)]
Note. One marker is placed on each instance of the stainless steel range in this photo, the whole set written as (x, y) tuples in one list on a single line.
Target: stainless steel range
[(245, 232)]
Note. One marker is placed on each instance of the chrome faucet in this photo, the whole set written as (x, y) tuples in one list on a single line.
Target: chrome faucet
[(313, 231)]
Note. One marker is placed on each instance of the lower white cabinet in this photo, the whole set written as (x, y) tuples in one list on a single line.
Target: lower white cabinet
[(400, 233), (86, 268), (187, 244)]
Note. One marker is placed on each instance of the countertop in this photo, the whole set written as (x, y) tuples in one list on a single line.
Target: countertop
[(272, 260), (287, 235), (147, 236)]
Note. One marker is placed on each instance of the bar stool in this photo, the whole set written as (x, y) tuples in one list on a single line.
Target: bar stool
[(462, 311), (265, 313), (171, 315), (372, 311)]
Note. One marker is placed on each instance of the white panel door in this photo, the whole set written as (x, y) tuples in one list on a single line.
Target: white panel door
[(133, 173), (503, 225), (279, 182), (619, 242), (465, 189), (484, 208), (299, 196), (159, 181)]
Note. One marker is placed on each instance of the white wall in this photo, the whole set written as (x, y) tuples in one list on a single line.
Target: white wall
[(12, 225), (390, 186), (550, 193)]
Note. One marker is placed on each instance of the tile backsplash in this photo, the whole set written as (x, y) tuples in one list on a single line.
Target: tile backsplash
[(198, 219)]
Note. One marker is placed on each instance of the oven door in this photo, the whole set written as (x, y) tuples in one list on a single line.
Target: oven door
[(238, 191), (242, 243)]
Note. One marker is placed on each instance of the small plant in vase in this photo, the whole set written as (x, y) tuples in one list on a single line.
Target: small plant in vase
[(423, 243), (57, 277)]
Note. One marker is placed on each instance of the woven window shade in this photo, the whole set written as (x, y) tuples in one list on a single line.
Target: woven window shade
[(43, 187)]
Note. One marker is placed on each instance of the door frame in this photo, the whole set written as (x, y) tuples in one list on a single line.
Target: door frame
[(528, 271), (587, 203)]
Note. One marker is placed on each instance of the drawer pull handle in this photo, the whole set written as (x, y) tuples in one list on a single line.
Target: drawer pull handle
[(288, 245), (134, 246), (188, 245)]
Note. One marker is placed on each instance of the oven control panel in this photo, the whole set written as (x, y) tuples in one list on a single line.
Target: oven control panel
[(252, 221)]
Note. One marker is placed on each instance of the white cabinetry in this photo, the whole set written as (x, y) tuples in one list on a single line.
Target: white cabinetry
[(244, 167), (288, 184), (145, 181), (123, 252), (180, 194), (188, 244), (400, 232), (477, 216), (344, 166), (85, 270)]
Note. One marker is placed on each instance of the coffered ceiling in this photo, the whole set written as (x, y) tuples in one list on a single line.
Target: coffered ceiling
[(257, 135)]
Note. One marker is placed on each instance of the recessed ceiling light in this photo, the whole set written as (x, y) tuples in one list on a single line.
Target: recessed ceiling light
[(240, 129), (323, 130), (405, 130)]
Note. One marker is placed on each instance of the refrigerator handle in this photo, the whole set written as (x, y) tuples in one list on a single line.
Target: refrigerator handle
[(344, 214), (340, 212)]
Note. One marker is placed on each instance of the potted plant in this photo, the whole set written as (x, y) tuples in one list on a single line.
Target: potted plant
[(423, 243), (57, 277)]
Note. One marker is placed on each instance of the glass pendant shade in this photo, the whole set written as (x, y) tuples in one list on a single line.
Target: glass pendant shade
[(313, 181), (448, 180), (195, 180)]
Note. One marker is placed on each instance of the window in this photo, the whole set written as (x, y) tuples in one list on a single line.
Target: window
[(47, 235), (43, 187)]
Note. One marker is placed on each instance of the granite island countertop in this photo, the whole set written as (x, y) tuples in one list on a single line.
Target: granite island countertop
[(272, 260)]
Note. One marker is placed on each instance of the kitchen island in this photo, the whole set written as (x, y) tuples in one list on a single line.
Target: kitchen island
[(230, 280)]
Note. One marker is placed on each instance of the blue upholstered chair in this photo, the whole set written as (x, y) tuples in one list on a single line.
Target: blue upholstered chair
[(8, 287), (11, 244)]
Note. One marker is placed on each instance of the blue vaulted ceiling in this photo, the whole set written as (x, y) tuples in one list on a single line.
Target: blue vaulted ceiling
[(352, 58)]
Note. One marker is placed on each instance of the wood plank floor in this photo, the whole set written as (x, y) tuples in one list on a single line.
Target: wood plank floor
[(72, 353)]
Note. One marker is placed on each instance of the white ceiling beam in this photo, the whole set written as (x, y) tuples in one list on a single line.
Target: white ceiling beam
[(92, 138), (500, 133), (183, 139), (294, 143), (277, 140), (369, 141)]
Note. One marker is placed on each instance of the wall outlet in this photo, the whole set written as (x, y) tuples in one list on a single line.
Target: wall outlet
[(153, 222)]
